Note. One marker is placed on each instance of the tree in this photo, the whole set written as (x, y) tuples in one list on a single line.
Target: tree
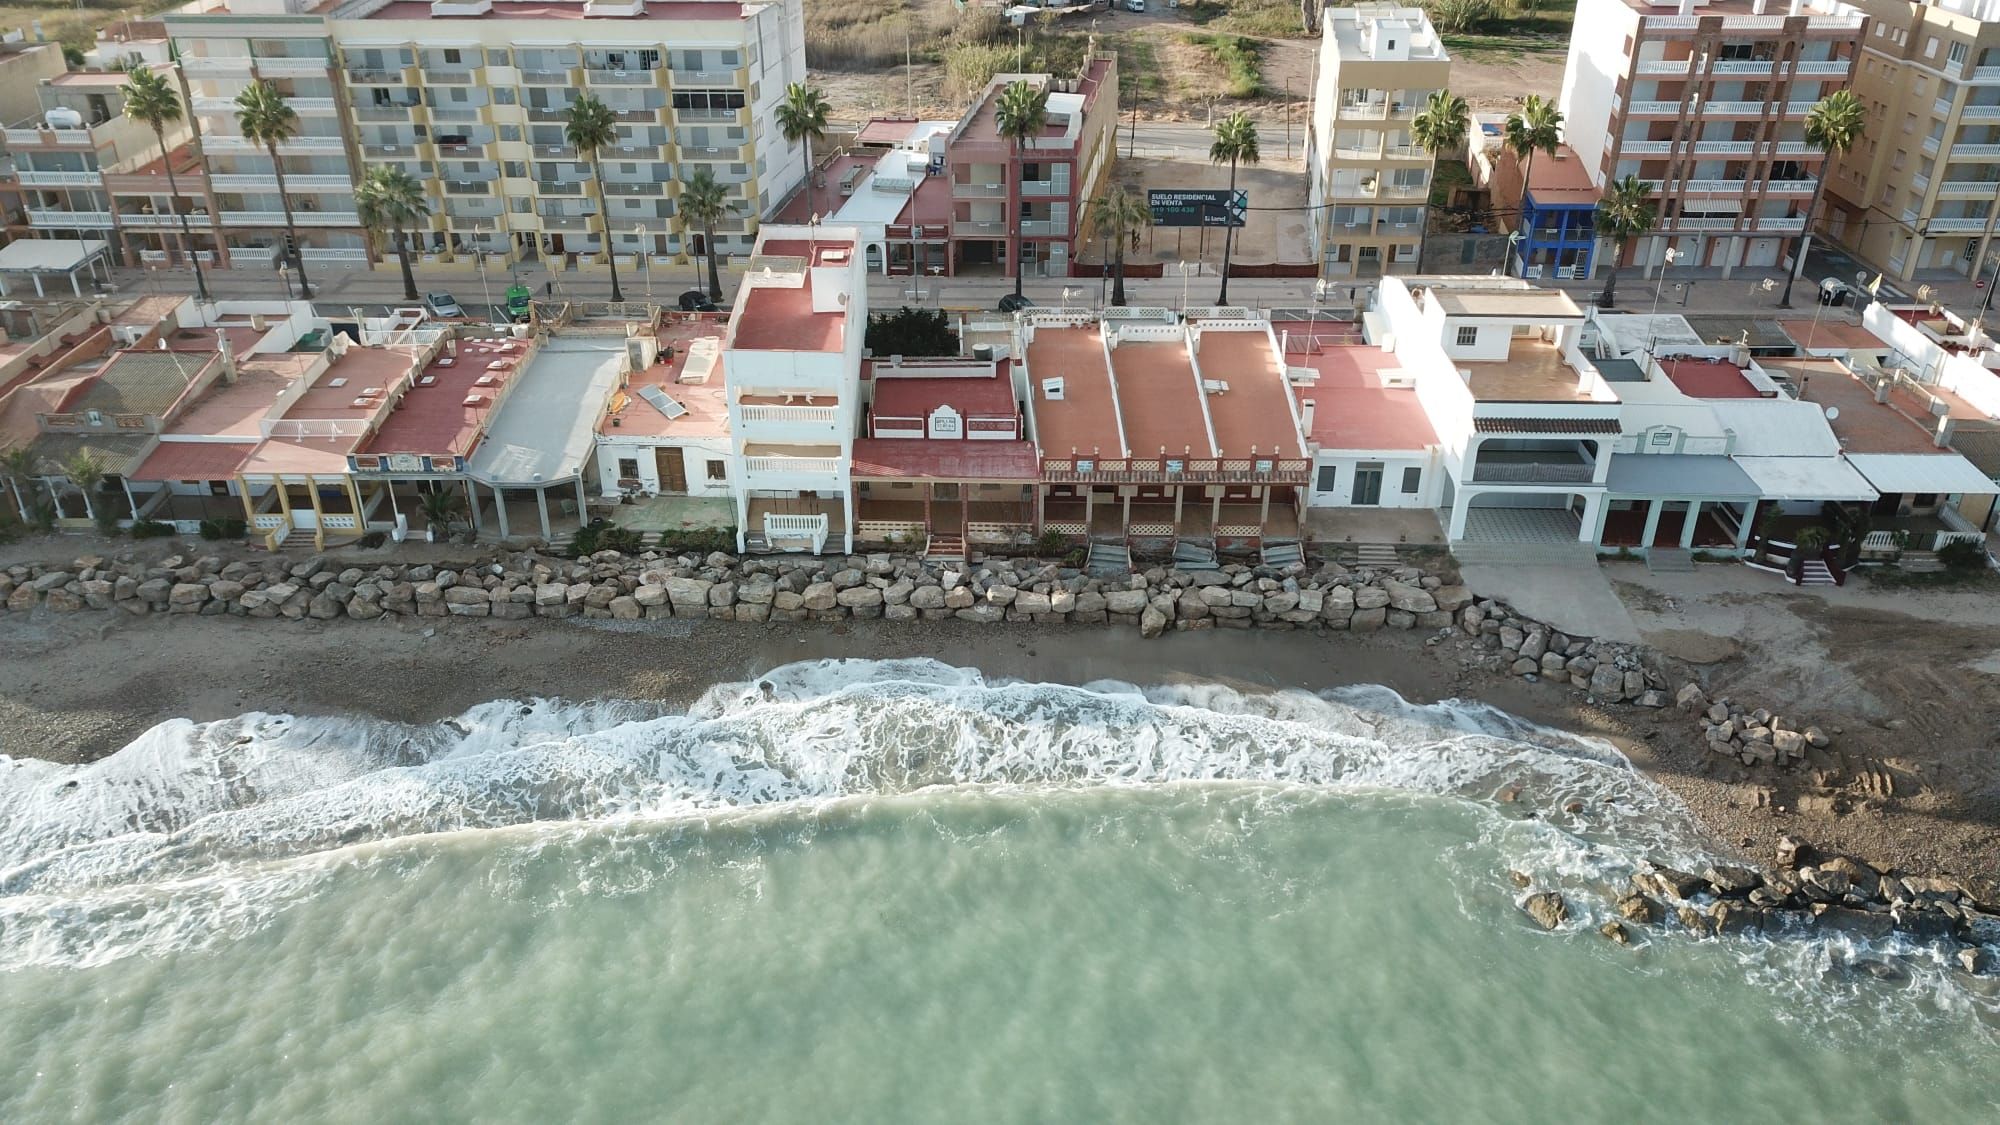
[(1537, 128), (704, 202), (1832, 126), (19, 465), (1626, 212), (1442, 124), (1235, 143), (802, 117), (1439, 128), (592, 126), (153, 102), (1019, 117), (909, 331), (390, 201), (264, 118), (1122, 217), (86, 470), (442, 508)]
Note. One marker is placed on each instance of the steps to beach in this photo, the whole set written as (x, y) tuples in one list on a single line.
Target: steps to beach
[(1282, 554), (1815, 573), (1189, 555), (1919, 562), (945, 548), (1108, 560), (1376, 556), (1669, 560)]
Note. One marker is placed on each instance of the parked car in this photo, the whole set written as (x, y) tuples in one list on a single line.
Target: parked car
[(1135, 5), (1014, 302), (694, 300), (443, 305)]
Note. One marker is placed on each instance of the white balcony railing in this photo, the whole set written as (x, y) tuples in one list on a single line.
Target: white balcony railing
[(1955, 226), (84, 220), (299, 218), (1975, 152), (820, 470), (1979, 113), (336, 255), (32, 178), (291, 67), (1967, 189), (141, 221), (268, 182)]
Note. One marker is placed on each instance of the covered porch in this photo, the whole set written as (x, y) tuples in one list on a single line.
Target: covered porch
[(1157, 516), (946, 495), (278, 505), (65, 262), (792, 522), (550, 509), (1677, 502)]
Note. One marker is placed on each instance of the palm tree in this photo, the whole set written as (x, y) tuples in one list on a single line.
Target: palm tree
[(18, 464), (1440, 128), (1122, 216), (153, 102), (264, 118), (1235, 143), (390, 201), (1442, 124), (592, 126), (802, 117), (1832, 126), (86, 470), (1626, 212), (1019, 117), (704, 202), (441, 509), (1537, 128)]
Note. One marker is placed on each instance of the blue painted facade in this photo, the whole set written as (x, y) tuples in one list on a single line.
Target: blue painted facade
[(1555, 235)]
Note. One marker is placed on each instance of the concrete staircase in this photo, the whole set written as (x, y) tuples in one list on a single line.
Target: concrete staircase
[(1919, 562), (1524, 554), (1669, 560), (1815, 573), (1108, 560), (1194, 556), (1375, 556), (1282, 554), (945, 548)]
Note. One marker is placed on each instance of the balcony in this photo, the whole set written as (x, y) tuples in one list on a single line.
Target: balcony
[(300, 146), (578, 223), (292, 66), (1979, 113), (140, 221), (536, 77), (1045, 187), (1975, 152), (790, 424), (457, 113), (1968, 189), (786, 473), (29, 177), (548, 113), (966, 190), (312, 107), (269, 182), (555, 152), (979, 228), (1720, 108), (406, 151), (472, 151), (362, 76), (335, 255), (1045, 228), (597, 77), (1500, 468), (711, 116), (299, 218), (633, 152), (69, 220), (217, 66), (709, 78), (648, 188), (1822, 68), (392, 114), (1955, 226), (468, 187), (464, 77), (1930, 146), (559, 187), (1983, 74)]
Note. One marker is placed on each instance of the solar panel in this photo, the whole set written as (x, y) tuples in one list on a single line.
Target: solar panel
[(659, 401)]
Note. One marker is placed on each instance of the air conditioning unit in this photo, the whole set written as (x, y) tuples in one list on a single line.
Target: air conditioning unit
[(1052, 389)]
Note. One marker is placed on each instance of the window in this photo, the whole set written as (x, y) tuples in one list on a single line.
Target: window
[(1413, 478), (628, 468), (1468, 335), (1329, 478), (718, 470), (1661, 437), (94, 417), (1957, 54), (218, 488)]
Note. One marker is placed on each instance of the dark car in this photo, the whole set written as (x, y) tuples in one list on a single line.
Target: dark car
[(694, 300), (1014, 302)]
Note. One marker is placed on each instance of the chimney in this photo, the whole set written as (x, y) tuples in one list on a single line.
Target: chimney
[(1306, 408), (1687, 7), (227, 351), (1882, 390), (1941, 437)]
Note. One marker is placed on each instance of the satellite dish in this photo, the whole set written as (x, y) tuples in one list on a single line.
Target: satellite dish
[(1832, 412)]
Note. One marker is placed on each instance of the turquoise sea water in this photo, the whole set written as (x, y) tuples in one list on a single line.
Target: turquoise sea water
[(894, 892)]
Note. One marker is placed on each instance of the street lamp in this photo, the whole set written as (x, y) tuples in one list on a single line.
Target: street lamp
[(644, 258), (1188, 270), (1652, 322), (479, 258), (285, 276)]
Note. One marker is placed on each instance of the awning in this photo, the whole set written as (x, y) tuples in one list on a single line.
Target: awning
[(49, 255), (1943, 472), (1806, 478), (1678, 476), (922, 459)]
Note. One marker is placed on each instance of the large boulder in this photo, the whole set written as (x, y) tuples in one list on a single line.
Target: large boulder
[(1547, 908), (1125, 601), (1409, 599), (688, 594), (859, 597), (817, 596)]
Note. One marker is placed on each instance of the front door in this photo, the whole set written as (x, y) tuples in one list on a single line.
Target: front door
[(673, 470), (1368, 484)]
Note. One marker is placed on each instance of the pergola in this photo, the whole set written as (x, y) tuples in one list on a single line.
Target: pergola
[(38, 258)]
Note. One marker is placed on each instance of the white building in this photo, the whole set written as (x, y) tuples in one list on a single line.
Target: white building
[(792, 360)]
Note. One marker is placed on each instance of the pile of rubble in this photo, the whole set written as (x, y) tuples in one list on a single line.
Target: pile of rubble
[(1752, 737), (1609, 671)]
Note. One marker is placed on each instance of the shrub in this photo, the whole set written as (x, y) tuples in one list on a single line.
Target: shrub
[(912, 332), (224, 528), (1052, 544), (584, 542), (151, 529), (700, 540), (1962, 555), (624, 540), (374, 539), (1453, 17), (1237, 56)]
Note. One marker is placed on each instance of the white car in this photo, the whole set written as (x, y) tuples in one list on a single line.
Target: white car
[(1135, 5), (443, 305)]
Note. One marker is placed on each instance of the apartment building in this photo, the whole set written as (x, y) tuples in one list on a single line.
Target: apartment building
[(943, 198), (1707, 102), (225, 45), (792, 366), (1555, 218), (1368, 181), (1916, 198)]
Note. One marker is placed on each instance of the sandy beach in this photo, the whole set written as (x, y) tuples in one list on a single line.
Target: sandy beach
[(78, 687)]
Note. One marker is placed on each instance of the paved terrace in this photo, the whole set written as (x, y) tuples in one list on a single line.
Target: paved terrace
[(1253, 413), (1085, 420), (1352, 409), (1160, 399)]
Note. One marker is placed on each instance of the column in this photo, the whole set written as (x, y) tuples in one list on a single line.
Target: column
[(319, 517), (500, 508), (1461, 501), (1089, 498), (847, 510), (1180, 492), (582, 509), (1687, 527), (1215, 511), (1593, 506), (1264, 514), (472, 498), (1652, 523), (1744, 526), (1125, 512), (542, 510), (742, 519), (1603, 512)]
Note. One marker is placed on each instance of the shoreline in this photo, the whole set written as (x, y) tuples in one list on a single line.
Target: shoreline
[(57, 703)]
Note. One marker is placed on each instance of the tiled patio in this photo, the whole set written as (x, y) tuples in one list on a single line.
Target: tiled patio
[(1521, 525), (675, 513)]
